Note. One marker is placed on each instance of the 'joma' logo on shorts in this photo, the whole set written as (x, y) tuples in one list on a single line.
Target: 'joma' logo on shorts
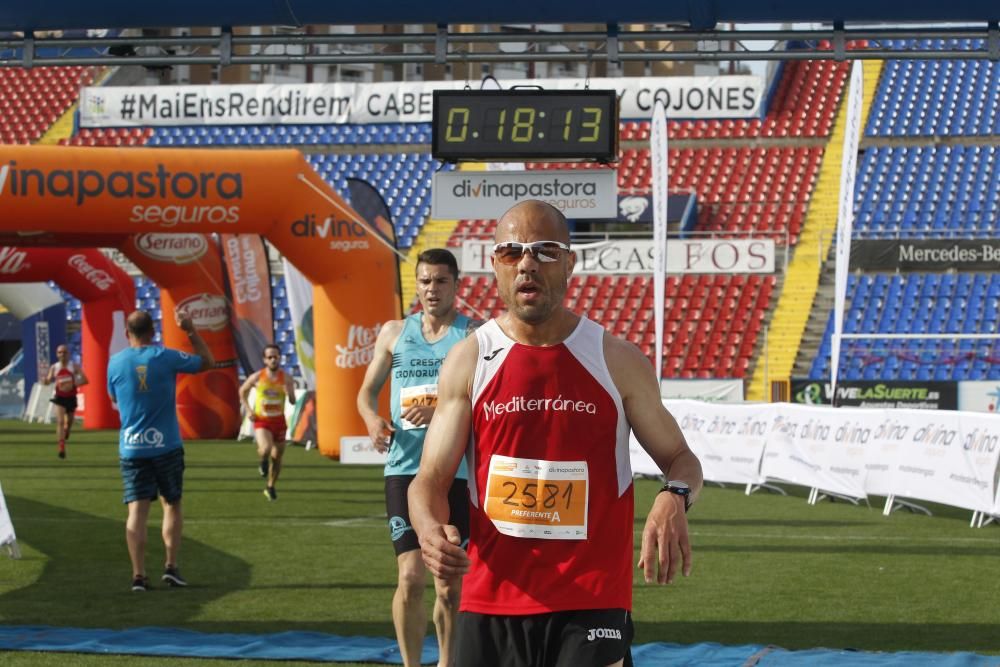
[(603, 633)]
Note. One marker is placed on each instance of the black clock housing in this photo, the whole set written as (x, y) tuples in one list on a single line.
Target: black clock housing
[(525, 125)]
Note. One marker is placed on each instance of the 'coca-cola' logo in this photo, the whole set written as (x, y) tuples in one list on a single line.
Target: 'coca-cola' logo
[(360, 348), (208, 311), (177, 248), (99, 278), (12, 260)]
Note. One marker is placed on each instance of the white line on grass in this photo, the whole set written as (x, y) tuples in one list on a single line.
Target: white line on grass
[(373, 520), (841, 537), (354, 521)]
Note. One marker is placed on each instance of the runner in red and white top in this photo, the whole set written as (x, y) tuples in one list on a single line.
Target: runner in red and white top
[(541, 402), (68, 377)]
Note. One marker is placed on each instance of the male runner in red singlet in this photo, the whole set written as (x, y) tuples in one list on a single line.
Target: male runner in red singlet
[(68, 377), (273, 386), (541, 401)]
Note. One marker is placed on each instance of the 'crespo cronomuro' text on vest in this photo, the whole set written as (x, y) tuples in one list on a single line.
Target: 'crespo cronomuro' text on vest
[(415, 367), (550, 478)]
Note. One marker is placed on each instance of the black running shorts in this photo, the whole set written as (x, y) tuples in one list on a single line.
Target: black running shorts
[(576, 638), (401, 531), (67, 402)]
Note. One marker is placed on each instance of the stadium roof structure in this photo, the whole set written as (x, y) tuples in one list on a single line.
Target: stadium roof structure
[(635, 30)]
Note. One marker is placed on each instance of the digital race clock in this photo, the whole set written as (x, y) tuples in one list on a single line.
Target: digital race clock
[(525, 125)]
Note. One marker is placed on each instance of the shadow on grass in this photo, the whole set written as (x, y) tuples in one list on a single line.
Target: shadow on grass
[(86, 576), (976, 637)]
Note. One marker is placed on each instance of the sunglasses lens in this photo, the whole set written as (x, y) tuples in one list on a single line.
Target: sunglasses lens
[(508, 255), (542, 251), (549, 252)]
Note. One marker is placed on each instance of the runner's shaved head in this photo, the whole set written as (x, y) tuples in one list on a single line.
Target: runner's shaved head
[(536, 214), (140, 324)]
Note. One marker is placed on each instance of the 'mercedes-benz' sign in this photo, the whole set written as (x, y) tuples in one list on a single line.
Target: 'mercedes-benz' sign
[(926, 255)]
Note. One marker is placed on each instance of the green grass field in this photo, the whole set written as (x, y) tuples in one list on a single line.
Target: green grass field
[(767, 569)]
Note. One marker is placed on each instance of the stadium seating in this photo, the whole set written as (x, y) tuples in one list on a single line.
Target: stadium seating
[(937, 97), (32, 99), (741, 188), (711, 323), (403, 180), (928, 191), (916, 303)]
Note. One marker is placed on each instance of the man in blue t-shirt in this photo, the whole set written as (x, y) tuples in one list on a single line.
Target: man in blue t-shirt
[(410, 352), (141, 381)]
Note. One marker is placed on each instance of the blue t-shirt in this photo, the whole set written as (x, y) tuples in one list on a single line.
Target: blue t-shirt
[(415, 366), (143, 381)]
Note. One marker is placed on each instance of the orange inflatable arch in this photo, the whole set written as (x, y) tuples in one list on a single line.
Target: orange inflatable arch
[(107, 296), (145, 193)]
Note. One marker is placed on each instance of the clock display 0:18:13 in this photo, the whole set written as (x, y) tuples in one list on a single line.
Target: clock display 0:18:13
[(525, 125)]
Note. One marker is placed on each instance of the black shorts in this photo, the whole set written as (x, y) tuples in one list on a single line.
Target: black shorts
[(147, 478), (588, 637), (396, 508), (67, 402)]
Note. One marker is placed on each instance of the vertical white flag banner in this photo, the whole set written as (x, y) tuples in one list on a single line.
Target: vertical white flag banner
[(661, 174), (7, 537), (845, 216), (300, 301)]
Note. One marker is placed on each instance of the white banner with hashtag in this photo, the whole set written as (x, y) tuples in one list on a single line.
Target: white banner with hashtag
[(390, 102)]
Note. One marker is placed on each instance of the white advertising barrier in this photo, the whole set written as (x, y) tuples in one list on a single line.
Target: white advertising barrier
[(947, 457), (728, 440), (818, 447), (360, 450), (393, 102), (7, 537), (996, 502), (636, 257), (486, 195), (885, 444)]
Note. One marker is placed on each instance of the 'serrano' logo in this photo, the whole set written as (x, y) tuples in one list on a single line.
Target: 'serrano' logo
[(208, 311), (178, 248)]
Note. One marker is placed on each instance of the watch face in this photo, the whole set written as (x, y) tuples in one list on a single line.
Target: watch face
[(678, 487)]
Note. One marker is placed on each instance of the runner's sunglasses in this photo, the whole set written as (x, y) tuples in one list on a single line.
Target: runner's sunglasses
[(511, 252)]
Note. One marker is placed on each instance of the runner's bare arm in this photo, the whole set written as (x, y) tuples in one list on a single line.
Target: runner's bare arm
[(81, 379), (665, 541), (290, 388), (49, 375), (245, 388), (375, 378), (186, 324), (444, 447)]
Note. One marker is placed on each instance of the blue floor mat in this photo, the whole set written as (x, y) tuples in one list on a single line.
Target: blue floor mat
[(322, 647)]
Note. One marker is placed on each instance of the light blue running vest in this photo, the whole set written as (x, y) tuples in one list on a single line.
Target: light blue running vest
[(415, 364)]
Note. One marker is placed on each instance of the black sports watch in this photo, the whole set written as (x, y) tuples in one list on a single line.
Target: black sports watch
[(679, 488)]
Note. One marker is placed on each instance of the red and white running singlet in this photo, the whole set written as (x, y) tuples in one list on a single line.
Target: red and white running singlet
[(549, 478), (65, 379)]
